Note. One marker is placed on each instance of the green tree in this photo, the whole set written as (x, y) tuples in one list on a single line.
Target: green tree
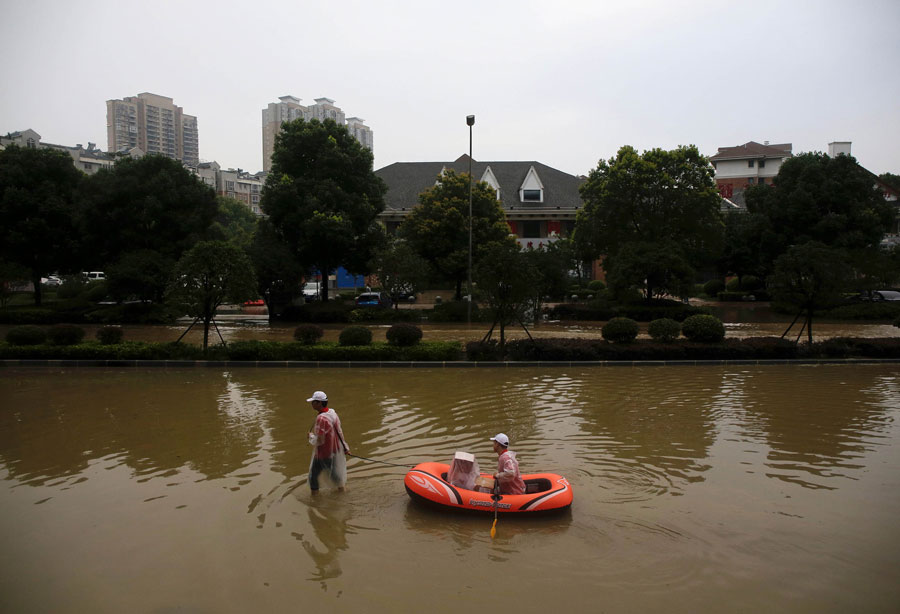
[(438, 229), (143, 274), (661, 268), (150, 204), (505, 278), (399, 269), (37, 212), (234, 222), (278, 274), (740, 252), (551, 264), (656, 198), (810, 276), (208, 275), (323, 197), (891, 179), (832, 201)]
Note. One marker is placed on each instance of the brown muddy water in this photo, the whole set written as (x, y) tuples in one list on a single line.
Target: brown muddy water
[(697, 489)]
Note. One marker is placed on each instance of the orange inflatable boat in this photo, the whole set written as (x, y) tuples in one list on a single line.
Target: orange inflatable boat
[(544, 492)]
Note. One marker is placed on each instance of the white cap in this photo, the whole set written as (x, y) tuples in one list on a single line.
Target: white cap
[(465, 456), (318, 395), (502, 439)]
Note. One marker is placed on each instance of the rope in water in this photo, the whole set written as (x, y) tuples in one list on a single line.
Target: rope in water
[(373, 460)]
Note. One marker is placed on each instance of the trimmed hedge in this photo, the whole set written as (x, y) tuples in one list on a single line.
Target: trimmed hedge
[(404, 335), (703, 328), (620, 330), (713, 287), (110, 335), (308, 334), (664, 330), (329, 351), (65, 334), (26, 335), (454, 311), (355, 335)]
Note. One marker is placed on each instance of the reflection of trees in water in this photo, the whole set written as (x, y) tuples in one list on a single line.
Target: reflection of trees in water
[(657, 419), (152, 420), (820, 420)]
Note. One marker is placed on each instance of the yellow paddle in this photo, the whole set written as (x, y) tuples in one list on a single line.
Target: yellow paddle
[(496, 498)]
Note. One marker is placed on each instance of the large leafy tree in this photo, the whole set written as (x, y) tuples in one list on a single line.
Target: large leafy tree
[(400, 270), (809, 276), (506, 277), (323, 198), (234, 222), (658, 198), (278, 274), (209, 274), (151, 205), (438, 229), (832, 201), (37, 214)]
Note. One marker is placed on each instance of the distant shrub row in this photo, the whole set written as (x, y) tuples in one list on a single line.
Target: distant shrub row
[(755, 348)]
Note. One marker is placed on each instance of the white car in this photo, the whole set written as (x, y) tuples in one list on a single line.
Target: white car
[(51, 281)]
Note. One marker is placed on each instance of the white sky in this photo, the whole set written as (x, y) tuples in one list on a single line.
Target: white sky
[(565, 83)]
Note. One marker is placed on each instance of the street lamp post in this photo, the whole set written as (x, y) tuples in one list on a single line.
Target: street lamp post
[(470, 121)]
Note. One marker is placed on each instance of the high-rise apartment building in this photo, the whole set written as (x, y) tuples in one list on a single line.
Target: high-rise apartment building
[(289, 108), (155, 125)]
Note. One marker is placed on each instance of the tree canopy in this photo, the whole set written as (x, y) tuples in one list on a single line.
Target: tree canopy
[(832, 201), (322, 197), (438, 229), (399, 269), (37, 214), (209, 274), (150, 203), (506, 278), (652, 199)]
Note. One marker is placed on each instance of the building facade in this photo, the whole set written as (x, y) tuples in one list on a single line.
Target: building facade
[(288, 108), (237, 184), (89, 160), (749, 164), (540, 202), (155, 125)]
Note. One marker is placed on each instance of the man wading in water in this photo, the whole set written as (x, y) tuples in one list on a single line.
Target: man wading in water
[(330, 448)]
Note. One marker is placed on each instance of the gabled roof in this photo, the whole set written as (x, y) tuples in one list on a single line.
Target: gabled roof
[(754, 150), (406, 180)]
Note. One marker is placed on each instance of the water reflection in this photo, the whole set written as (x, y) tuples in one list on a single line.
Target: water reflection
[(757, 476)]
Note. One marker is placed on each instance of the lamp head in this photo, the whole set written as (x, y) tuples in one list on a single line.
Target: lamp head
[(470, 120)]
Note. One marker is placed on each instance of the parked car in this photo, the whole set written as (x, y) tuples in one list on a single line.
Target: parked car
[(879, 295), (51, 281), (405, 295), (311, 291), (94, 275), (373, 299)]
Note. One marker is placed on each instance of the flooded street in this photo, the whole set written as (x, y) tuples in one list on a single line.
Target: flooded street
[(741, 489)]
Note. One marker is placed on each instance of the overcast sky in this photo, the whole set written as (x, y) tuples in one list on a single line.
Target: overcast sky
[(564, 83)]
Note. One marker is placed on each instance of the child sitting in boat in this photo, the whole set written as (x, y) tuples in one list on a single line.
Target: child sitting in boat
[(463, 471)]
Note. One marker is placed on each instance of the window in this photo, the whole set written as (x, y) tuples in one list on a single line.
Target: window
[(531, 195), (30, 144), (750, 163), (229, 186), (531, 229), (750, 180), (762, 164)]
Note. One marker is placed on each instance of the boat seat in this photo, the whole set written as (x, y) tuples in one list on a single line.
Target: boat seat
[(538, 485)]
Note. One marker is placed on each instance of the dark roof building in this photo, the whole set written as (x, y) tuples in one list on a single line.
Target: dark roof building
[(540, 202)]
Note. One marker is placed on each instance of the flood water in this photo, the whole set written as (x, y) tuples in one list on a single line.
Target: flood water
[(697, 489)]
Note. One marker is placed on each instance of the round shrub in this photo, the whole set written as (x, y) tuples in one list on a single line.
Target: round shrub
[(751, 283), (109, 335), (664, 329), (596, 285), (733, 285), (620, 330), (355, 335), (404, 334), (704, 328), (65, 334), (308, 334), (26, 335), (713, 287)]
